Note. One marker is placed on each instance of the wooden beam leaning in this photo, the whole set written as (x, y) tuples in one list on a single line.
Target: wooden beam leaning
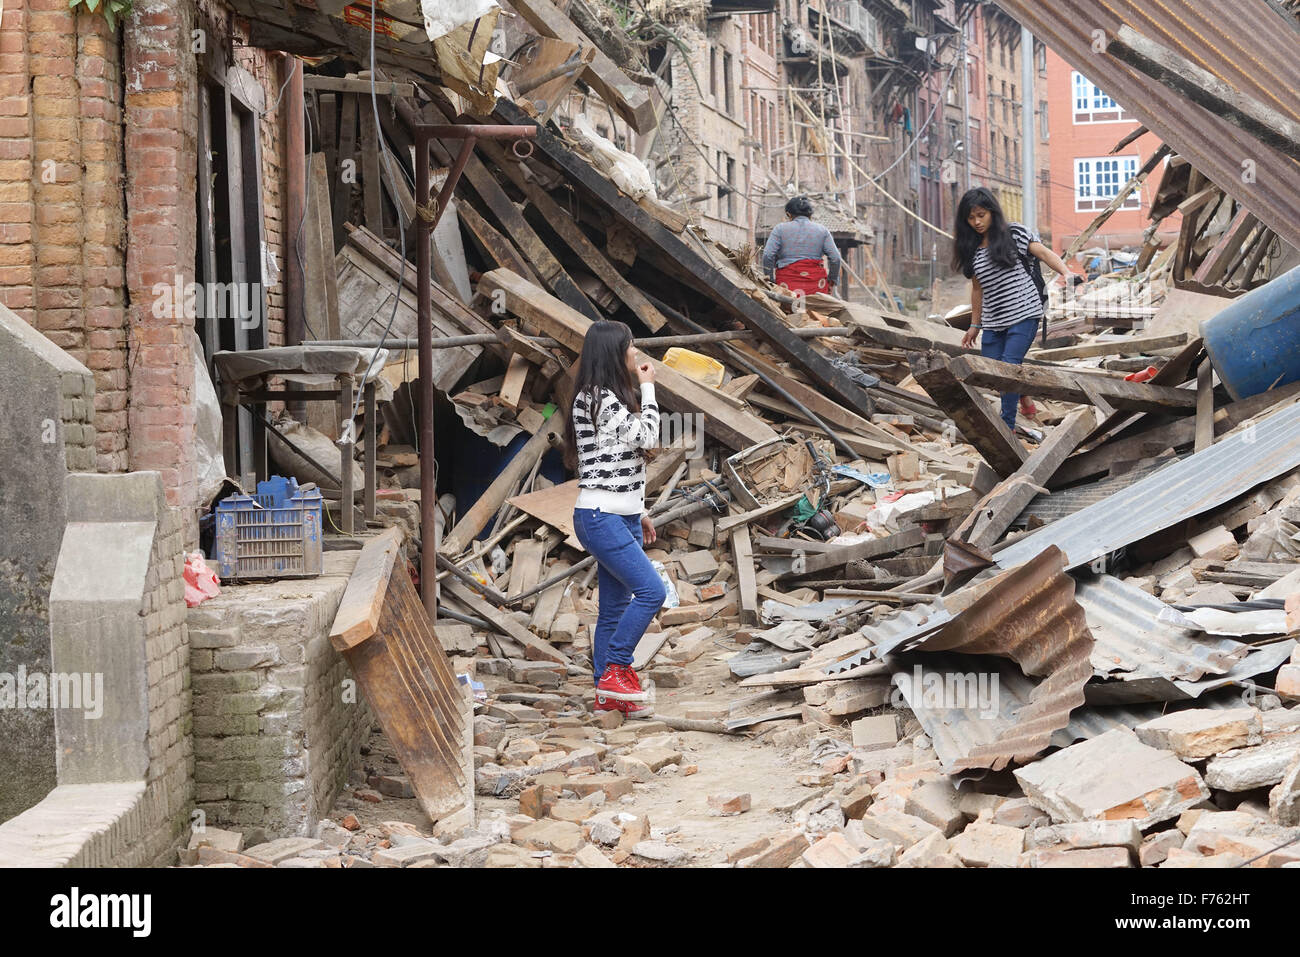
[(703, 275), (974, 417), (1062, 384), (997, 510), (733, 427), (627, 99)]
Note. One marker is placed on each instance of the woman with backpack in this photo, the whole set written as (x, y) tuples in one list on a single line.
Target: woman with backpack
[(613, 421), (1006, 302)]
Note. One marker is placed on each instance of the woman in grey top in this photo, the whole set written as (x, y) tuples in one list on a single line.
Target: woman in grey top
[(793, 253), (1005, 302)]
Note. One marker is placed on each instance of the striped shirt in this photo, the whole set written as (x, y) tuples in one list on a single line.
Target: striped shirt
[(1008, 295), (611, 468), (801, 238)]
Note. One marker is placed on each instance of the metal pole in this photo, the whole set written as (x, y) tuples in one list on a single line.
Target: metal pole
[(295, 209), (965, 105), (424, 313), (1028, 180)]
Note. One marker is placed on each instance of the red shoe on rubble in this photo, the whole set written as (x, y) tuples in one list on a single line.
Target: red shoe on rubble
[(630, 710), (620, 683)]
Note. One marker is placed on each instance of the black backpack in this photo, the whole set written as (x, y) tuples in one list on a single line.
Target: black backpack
[(1030, 263)]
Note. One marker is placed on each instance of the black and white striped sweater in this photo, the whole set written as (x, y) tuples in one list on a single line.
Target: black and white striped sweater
[(611, 469)]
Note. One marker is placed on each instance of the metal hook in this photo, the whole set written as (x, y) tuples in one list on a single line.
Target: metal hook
[(522, 148)]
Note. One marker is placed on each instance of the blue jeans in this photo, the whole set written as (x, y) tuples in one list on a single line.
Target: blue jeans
[(1009, 345), (631, 592)]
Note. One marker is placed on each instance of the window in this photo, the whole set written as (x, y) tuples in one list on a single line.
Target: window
[(1006, 150), (713, 73), (1044, 131), (1006, 103), (976, 143), (728, 100), (1040, 55), (1091, 105), (731, 190), (1097, 180)]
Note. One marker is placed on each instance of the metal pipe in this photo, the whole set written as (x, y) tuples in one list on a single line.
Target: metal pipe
[(295, 188), (424, 319), (648, 342)]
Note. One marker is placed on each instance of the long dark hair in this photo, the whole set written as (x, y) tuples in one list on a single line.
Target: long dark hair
[(799, 206), (1002, 247), (602, 365)]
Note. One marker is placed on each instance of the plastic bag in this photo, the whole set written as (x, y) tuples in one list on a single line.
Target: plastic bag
[(200, 580), (670, 590), (628, 173)]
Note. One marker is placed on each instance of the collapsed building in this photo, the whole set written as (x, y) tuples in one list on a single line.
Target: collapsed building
[(416, 247)]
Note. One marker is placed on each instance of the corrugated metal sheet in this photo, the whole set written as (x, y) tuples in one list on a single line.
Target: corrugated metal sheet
[(1245, 43), (1180, 490), (1132, 643)]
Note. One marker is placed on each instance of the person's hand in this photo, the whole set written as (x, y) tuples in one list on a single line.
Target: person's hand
[(968, 339), (645, 372), (648, 530)]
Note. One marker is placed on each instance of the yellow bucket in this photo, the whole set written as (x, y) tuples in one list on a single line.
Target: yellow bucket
[(701, 368)]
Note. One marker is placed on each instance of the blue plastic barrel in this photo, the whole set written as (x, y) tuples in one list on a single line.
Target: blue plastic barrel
[(1254, 342)]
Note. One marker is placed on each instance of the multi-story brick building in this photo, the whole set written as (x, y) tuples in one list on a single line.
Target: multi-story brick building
[(1086, 124)]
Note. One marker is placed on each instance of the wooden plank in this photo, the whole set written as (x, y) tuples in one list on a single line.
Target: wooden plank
[(337, 84), (1128, 346), (370, 185), (995, 513), (1204, 406), (856, 553), (1089, 387), (346, 171), (973, 416), (535, 649), (737, 429), (674, 254), (526, 568), (744, 518), (358, 613), (495, 244), (742, 559), (481, 512), (629, 100), (404, 676), (1059, 384), (568, 230), (512, 388), (548, 601)]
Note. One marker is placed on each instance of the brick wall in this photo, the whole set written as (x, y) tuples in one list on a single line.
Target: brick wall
[(276, 728), (91, 217)]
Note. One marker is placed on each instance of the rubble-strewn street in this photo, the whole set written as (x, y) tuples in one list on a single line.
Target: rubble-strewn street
[(926, 373)]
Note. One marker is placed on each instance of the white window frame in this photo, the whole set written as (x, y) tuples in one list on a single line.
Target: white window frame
[(1087, 101), (1090, 195)]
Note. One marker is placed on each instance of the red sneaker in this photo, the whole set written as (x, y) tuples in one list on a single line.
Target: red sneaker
[(1027, 407), (629, 710), (615, 683), (608, 704)]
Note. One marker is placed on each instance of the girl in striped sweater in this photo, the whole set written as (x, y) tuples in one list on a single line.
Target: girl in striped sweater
[(613, 420)]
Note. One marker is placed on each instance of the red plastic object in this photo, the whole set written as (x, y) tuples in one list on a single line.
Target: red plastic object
[(1142, 375), (200, 580)]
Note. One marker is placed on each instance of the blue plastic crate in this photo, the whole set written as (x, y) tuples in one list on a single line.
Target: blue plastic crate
[(273, 534)]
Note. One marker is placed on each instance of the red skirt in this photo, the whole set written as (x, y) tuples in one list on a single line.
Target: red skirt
[(803, 277)]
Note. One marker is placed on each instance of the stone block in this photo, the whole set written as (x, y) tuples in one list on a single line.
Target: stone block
[(1112, 777), (989, 845), (729, 803), (935, 802), (875, 733), (1202, 732), (1245, 769)]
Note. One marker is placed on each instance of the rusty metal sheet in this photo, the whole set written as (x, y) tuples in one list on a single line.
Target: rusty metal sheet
[(1182, 489), (1134, 642), (1245, 43)]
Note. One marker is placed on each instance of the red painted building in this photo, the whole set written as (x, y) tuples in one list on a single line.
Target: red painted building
[(1084, 126)]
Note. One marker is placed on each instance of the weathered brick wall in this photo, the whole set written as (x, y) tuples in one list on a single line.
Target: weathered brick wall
[(98, 170), (61, 229), (276, 728)]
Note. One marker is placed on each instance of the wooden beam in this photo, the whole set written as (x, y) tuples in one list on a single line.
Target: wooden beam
[(495, 244), (478, 514), (1127, 346), (742, 558), (838, 558), (1060, 384), (568, 230), (370, 185), (337, 84), (1204, 406), (358, 613), (345, 173), (535, 649), (994, 514), (703, 275), (627, 99), (737, 429), (973, 416)]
